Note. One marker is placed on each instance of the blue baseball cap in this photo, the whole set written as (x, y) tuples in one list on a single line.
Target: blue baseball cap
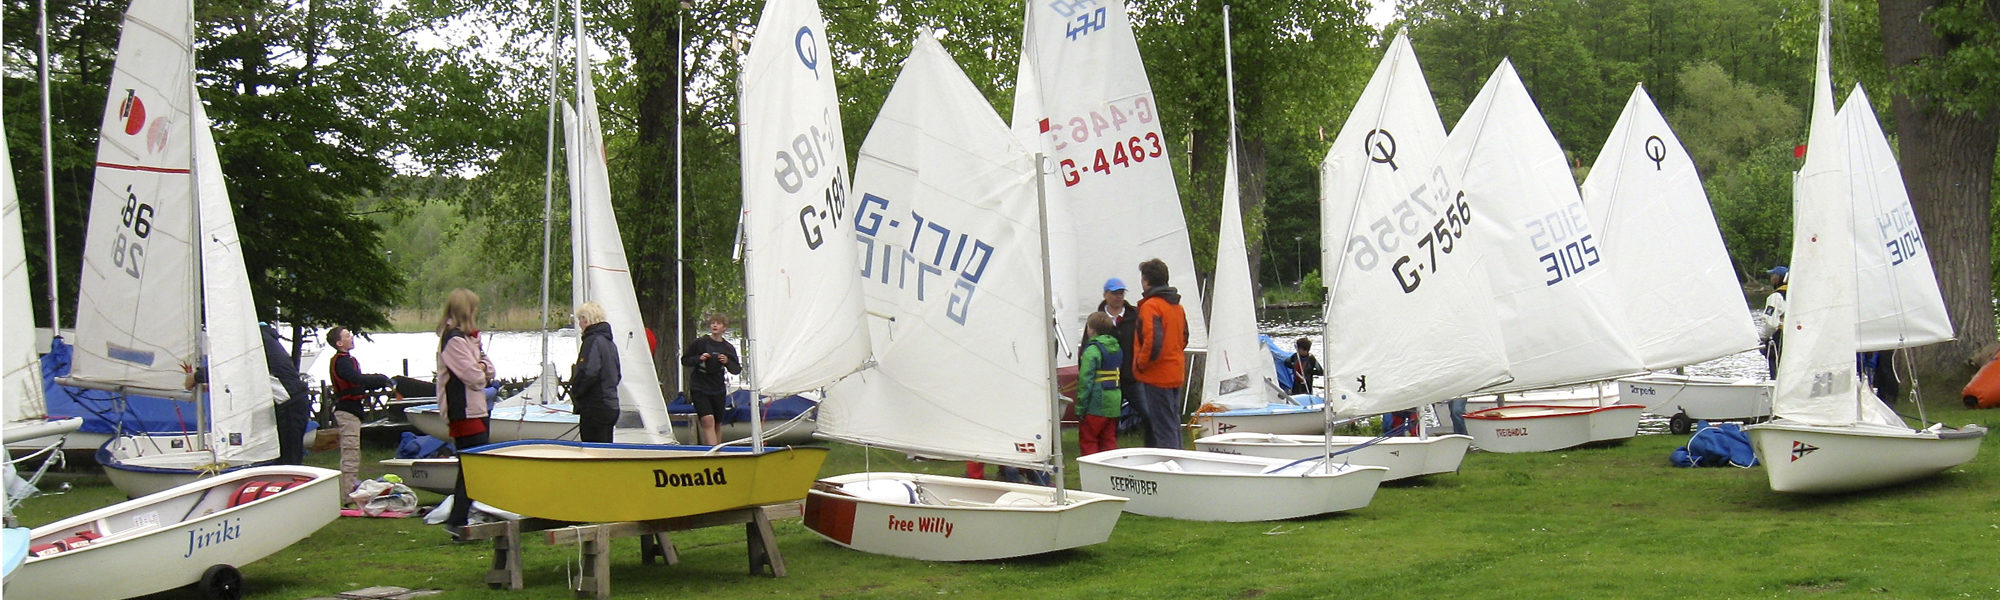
[(1114, 285), (1779, 270)]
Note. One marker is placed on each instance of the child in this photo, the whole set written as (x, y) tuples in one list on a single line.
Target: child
[(1098, 400)]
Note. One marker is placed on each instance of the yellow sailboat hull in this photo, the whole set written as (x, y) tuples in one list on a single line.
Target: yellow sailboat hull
[(598, 483)]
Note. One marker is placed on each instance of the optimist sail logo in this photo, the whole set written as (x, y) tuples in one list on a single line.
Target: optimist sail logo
[(1801, 449)]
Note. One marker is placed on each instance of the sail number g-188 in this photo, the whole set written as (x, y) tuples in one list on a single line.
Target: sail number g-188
[(802, 162)]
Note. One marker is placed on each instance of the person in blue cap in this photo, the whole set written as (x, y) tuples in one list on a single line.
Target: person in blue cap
[(1125, 319), (1771, 329)]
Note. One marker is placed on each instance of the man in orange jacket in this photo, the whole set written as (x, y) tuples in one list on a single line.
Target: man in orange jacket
[(1159, 361)]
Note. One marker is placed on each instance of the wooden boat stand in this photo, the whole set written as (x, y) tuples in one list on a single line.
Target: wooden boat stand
[(595, 541)]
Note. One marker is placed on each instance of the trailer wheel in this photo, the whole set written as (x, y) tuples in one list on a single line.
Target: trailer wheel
[(221, 582), (1680, 424)]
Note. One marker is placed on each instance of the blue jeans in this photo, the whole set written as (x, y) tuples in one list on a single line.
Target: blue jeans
[(1458, 415), (1162, 407)]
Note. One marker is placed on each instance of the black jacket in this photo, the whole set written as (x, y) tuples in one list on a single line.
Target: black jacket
[(706, 375), (281, 366), (593, 381), (1127, 324)]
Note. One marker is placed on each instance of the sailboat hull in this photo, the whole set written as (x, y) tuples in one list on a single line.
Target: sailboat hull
[(557, 422), (1709, 398), (433, 474), (1541, 428), (943, 518), (1809, 459), (147, 464), (1299, 418), (168, 540), (601, 483), (1209, 486), (1405, 457)]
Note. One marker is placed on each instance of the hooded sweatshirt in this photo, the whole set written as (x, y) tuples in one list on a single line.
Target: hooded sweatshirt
[(1160, 341)]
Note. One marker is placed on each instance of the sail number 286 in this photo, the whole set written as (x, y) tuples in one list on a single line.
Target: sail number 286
[(135, 219)]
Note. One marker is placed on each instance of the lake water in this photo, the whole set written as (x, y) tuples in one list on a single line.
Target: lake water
[(515, 354)]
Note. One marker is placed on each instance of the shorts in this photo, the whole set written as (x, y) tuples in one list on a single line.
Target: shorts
[(709, 404)]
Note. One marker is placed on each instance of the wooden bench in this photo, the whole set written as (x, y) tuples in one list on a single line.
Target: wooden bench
[(594, 540)]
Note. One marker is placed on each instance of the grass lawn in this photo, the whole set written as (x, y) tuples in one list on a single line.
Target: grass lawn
[(1613, 522)]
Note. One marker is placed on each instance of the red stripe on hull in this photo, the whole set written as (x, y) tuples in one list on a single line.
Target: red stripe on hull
[(830, 516)]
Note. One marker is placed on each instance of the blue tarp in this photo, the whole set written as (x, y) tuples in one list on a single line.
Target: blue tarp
[(1279, 356), (106, 412), (1716, 446), (739, 407)]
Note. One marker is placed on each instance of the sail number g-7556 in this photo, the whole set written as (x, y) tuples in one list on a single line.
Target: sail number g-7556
[(1452, 213)]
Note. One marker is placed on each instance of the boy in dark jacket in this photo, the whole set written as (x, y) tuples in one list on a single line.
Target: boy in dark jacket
[(593, 382), (708, 356)]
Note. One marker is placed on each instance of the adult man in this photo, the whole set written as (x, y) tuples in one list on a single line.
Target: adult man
[(295, 410), (1124, 317), (1771, 330), (1159, 343)]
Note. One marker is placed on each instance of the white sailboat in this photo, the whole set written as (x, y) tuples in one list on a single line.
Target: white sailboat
[(1831, 433), (1549, 273), (1082, 99), (956, 278), (804, 278), (200, 531), (1207, 486), (1396, 339), (25, 416), (1239, 389), (163, 270), (1677, 299)]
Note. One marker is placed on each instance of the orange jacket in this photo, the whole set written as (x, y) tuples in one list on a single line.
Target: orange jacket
[(1160, 341)]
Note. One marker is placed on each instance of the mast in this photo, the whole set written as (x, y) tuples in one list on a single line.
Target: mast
[(750, 369), (194, 197), (48, 173), (680, 260), (548, 214), (1055, 324)]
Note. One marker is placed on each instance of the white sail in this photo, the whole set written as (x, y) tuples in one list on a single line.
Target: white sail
[(1531, 235), (603, 276), (241, 422), (22, 391), (1818, 381), (137, 321), (1676, 296), (948, 223), (1084, 101), (1393, 344), (1899, 302), (805, 329), (1239, 372)]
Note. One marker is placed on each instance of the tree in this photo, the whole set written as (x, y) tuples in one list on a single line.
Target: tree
[(1943, 57)]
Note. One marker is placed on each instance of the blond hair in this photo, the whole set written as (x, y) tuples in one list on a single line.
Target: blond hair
[(1098, 324), (461, 312), (716, 318), (590, 313)]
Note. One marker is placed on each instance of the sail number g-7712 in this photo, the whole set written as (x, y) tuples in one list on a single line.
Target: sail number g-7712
[(894, 262)]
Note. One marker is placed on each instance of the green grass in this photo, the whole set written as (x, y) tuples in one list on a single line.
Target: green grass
[(1612, 522)]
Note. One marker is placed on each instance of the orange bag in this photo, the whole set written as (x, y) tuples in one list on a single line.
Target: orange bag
[(1984, 389)]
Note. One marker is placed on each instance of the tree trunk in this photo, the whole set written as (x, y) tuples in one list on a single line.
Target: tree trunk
[(655, 38), (1947, 163)]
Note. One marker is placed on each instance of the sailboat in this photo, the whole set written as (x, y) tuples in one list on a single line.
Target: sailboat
[(632, 478), (1393, 342), (955, 274), (1083, 99), (1679, 300), (1208, 486), (201, 530), (163, 271), (26, 416), (1549, 273), (1831, 434)]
